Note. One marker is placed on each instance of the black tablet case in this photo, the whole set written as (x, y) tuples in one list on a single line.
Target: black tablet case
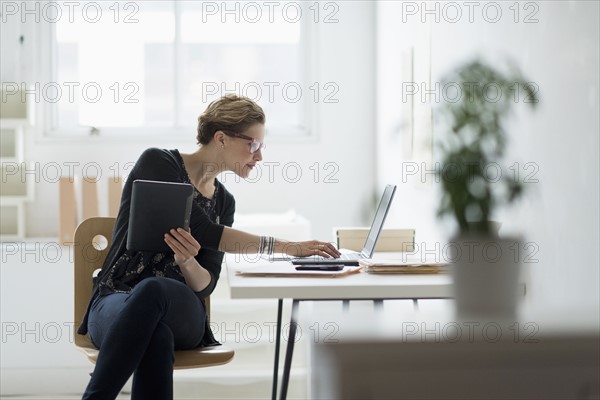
[(156, 207)]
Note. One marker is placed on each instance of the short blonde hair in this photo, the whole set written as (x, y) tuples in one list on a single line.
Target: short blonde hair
[(229, 113)]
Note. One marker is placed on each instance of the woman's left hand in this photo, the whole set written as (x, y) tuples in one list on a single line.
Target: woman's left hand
[(183, 245), (311, 248)]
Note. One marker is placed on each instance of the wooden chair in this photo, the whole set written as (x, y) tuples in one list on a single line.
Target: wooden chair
[(92, 239)]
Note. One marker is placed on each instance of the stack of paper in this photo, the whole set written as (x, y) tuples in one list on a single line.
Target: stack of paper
[(289, 271), (402, 267)]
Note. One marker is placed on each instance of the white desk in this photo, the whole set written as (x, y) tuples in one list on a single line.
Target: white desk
[(359, 286)]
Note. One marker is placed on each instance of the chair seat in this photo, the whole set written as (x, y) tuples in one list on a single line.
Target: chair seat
[(199, 357)]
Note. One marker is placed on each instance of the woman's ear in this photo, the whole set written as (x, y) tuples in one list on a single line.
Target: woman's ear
[(219, 138)]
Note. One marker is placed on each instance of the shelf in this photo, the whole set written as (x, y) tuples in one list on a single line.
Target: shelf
[(17, 181), (9, 123), (17, 106), (11, 148), (12, 221)]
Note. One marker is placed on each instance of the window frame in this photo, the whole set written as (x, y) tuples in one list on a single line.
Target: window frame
[(48, 131)]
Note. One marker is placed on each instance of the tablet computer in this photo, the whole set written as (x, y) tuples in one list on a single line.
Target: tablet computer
[(156, 207)]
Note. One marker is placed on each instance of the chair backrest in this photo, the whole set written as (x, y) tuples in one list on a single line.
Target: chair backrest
[(93, 238)]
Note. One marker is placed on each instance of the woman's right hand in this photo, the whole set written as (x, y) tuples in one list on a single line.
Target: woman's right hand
[(310, 248)]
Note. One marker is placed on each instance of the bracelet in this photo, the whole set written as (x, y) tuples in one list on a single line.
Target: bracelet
[(270, 245), (266, 245)]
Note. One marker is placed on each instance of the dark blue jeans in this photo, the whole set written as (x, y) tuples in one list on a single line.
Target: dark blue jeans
[(137, 334)]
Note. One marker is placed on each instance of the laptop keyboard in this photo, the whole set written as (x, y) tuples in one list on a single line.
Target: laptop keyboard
[(343, 256), (350, 256)]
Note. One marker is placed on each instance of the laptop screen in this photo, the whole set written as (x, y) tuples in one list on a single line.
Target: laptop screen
[(382, 210)]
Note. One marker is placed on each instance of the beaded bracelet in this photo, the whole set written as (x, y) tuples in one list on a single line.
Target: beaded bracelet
[(266, 245)]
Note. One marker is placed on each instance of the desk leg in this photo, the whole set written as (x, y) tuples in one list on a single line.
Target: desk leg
[(287, 365), (277, 346)]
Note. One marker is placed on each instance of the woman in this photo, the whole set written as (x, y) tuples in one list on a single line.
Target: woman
[(146, 305)]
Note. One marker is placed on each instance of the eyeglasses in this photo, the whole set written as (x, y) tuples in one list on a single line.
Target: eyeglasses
[(255, 145)]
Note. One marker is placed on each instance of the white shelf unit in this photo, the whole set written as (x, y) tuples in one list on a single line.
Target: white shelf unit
[(17, 177), (16, 182)]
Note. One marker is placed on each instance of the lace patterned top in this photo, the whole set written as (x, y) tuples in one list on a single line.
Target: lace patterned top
[(122, 277), (123, 268)]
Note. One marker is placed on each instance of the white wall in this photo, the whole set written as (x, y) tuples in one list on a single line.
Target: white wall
[(560, 54), (344, 54)]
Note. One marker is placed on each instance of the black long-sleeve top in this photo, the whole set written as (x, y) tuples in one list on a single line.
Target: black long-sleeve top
[(123, 268)]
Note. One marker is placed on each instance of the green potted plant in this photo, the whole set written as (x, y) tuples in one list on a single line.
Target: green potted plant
[(474, 185)]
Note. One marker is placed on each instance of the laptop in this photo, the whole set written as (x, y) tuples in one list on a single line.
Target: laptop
[(351, 257), (155, 208)]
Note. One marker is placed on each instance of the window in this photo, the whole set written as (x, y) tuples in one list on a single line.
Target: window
[(138, 67)]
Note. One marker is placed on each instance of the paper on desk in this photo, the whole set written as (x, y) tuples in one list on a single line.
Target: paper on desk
[(289, 271), (402, 267)]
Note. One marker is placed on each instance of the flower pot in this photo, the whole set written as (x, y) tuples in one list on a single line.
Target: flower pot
[(486, 277)]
